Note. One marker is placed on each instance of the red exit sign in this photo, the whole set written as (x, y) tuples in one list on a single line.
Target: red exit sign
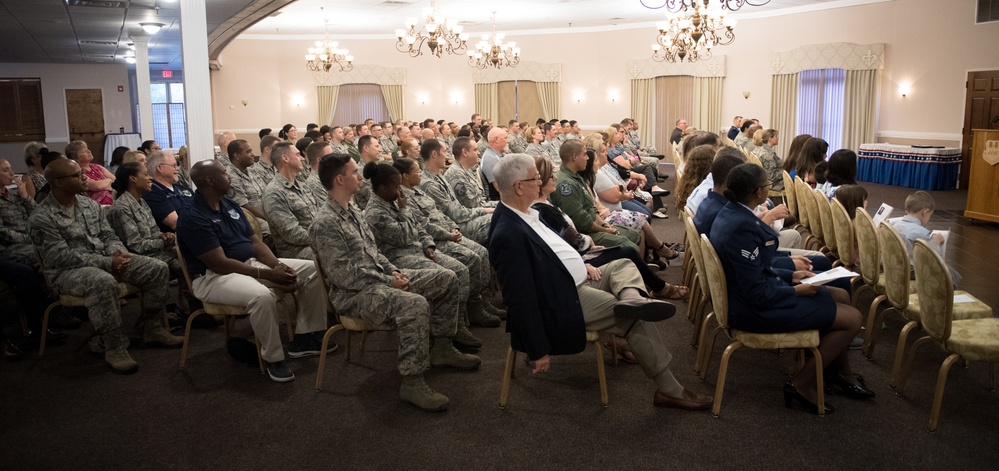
[(167, 74)]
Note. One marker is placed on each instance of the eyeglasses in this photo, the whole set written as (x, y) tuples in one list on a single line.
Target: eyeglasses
[(78, 175), (175, 164), (537, 178)]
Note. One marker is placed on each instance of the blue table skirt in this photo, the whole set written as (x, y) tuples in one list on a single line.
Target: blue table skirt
[(920, 175)]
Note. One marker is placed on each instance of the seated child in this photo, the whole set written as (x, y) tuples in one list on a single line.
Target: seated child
[(919, 207)]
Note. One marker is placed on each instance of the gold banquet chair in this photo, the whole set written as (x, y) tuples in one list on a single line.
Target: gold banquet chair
[(345, 323), (791, 196), (719, 300), (845, 241), (592, 336), (869, 252), (828, 230), (124, 290), (967, 339), (697, 299), (228, 311)]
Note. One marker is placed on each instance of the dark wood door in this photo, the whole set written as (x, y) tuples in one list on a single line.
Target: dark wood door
[(85, 112), (981, 111)]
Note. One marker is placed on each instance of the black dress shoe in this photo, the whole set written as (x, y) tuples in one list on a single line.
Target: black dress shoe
[(845, 387), (644, 309), (9, 351), (791, 394), (659, 193)]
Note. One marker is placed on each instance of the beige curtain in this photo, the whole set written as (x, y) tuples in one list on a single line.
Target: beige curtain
[(326, 96), (551, 103), (394, 101), (487, 101), (708, 104), (643, 102), (861, 92), (674, 100), (784, 109), (357, 102)]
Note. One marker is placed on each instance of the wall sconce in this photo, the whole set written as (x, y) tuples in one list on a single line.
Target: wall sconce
[(245, 102), (297, 100), (578, 95), (904, 89), (745, 95), (456, 97), (422, 97), (612, 95)]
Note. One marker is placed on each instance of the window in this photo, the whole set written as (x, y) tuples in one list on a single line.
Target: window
[(21, 117), (169, 120), (988, 10), (356, 102), (820, 105)]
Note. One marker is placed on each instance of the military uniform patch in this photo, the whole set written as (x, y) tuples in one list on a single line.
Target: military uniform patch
[(565, 189), (234, 214)]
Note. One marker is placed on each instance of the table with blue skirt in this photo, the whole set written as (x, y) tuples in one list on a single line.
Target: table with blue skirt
[(924, 168)]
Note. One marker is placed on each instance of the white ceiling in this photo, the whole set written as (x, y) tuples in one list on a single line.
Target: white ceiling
[(65, 31)]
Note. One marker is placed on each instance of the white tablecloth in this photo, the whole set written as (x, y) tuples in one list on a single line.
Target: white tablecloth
[(112, 141)]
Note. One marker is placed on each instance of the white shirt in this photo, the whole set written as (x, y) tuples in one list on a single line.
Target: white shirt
[(700, 193), (570, 258)]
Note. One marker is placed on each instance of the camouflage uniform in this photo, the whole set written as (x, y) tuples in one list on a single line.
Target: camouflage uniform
[(290, 209), (361, 285), (573, 197), (449, 146), (474, 222), (363, 195), (315, 188), (15, 244), (246, 190), (133, 223), (535, 149), (403, 241), (467, 187), (263, 173), (388, 144), (352, 150), (340, 148), (550, 149), (517, 143), (76, 246)]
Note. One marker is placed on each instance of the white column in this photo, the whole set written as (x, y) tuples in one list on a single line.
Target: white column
[(142, 81), (197, 82)]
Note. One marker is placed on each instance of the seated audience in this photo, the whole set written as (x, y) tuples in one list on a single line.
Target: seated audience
[(229, 264), (919, 208), (463, 176), (99, 179), (16, 207), (289, 207), (842, 170), (168, 198), (767, 153), (33, 159), (813, 151), (697, 167), (116, 158), (473, 222), (245, 190), (794, 153)]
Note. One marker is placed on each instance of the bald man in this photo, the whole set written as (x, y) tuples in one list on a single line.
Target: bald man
[(498, 140), (231, 265), (83, 257), (223, 141)]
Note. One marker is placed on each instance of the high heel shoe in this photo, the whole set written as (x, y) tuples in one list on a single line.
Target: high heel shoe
[(848, 389), (791, 394)]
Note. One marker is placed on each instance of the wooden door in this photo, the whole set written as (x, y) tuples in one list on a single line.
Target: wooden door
[(85, 113), (981, 111)]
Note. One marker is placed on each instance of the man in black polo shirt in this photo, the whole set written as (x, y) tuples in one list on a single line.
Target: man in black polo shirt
[(168, 198), (229, 264)]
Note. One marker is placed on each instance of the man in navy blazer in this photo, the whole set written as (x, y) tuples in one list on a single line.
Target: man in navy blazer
[(553, 297)]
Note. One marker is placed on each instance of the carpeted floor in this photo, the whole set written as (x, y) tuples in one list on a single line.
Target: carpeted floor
[(68, 411)]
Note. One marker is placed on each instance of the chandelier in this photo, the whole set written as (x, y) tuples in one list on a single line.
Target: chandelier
[(683, 5), (492, 51), (327, 53), (690, 33), (442, 35)]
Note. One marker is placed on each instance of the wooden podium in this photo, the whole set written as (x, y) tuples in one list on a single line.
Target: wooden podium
[(983, 184)]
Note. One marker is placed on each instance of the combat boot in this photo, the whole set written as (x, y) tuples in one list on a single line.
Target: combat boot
[(464, 338), (155, 333), (415, 391), (116, 353), (481, 318), (490, 308), (443, 353)]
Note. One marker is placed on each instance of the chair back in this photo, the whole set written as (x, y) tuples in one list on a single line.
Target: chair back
[(935, 291), (715, 278), (814, 218), (868, 246), (825, 214), (183, 266), (690, 231), (844, 233), (326, 286), (677, 160), (751, 158), (790, 194), (802, 190), (254, 224), (896, 264)]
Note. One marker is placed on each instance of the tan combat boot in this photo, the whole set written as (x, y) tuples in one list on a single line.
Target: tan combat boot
[(116, 353), (155, 333), (464, 338), (416, 392), (443, 353)]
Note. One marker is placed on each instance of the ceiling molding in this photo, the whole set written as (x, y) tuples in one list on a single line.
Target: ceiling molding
[(221, 36)]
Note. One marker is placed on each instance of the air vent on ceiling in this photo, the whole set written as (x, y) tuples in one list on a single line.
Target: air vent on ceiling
[(394, 3), (98, 43), (98, 56), (95, 3)]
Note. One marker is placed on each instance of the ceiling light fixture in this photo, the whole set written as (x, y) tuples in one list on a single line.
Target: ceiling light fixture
[(676, 6), (151, 28), (690, 35), (326, 53), (492, 51), (442, 35)]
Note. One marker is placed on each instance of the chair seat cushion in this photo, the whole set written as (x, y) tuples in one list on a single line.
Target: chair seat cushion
[(975, 339), (360, 325), (124, 289), (972, 310), (800, 339), (224, 309), (592, 336)]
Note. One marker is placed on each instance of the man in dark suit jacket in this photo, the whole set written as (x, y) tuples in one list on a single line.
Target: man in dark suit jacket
[(553, 297), (677, 135)]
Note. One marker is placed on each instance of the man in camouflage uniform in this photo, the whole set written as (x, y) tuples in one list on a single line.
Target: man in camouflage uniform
[(551, 144), (377, 132), (246, 191), (290, 208), (473, 222), (312, 184), (364, 284), (572, 196), (450, 241), (339, 147), (408, 245), (83, 257), (263, 171), (388, 141), (463, 176), (15, 208), (517, 142)]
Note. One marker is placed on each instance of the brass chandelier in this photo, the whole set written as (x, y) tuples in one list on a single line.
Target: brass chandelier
[(694, 27), (492, 51), (675, 6), (327, 53), (442, 35)]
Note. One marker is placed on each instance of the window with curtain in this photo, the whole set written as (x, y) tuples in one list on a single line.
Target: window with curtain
[(356, 102), (820, 105), (518, 99)]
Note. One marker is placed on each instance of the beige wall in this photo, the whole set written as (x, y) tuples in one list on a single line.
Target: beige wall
[(56, 78), (929, 47)]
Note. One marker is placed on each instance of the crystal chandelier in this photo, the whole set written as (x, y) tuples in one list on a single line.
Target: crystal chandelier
[(492, 51), (683, 5), (689, 35), (327, 53), (442, 35)]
